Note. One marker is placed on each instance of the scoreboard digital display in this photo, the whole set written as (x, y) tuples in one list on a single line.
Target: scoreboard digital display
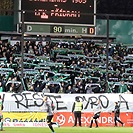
[(70, 12)]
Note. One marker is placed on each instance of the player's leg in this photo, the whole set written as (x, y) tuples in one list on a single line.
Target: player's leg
[(55, 123), (92, 121), (49, 118), (115, 120), (1, 122), (95, 118), (96, 122), (118, 119)]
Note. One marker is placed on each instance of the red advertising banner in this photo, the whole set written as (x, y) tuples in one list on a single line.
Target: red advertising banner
[(64, 119), (105, 119)]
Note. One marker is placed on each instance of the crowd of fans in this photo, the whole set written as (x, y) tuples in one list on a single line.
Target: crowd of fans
[(66, 67)]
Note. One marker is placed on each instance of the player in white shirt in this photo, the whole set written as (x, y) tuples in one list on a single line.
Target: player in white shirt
[(97, 113), (49, 108)]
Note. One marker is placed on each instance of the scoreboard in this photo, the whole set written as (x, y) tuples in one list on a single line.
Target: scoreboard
[(60, 13)]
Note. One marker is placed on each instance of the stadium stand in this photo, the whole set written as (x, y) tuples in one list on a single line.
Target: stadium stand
[(66, 67)]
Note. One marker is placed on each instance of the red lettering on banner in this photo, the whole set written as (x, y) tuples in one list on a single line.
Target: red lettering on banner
[(6, 124), (39, 124), (19, 124)]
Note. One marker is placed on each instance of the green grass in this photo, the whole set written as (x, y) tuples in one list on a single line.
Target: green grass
[(69, 130)]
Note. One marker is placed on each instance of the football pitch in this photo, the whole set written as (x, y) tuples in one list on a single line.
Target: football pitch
[(68, 130)]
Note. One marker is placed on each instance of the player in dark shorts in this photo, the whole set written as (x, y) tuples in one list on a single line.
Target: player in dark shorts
[(49, 108), (117, 114), (97, 113)]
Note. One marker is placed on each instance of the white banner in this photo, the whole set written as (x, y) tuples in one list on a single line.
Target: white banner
[(31, 102)]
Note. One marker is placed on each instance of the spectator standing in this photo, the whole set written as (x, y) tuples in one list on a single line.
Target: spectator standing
[(122, 88), (46, 89), (70, 90)]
